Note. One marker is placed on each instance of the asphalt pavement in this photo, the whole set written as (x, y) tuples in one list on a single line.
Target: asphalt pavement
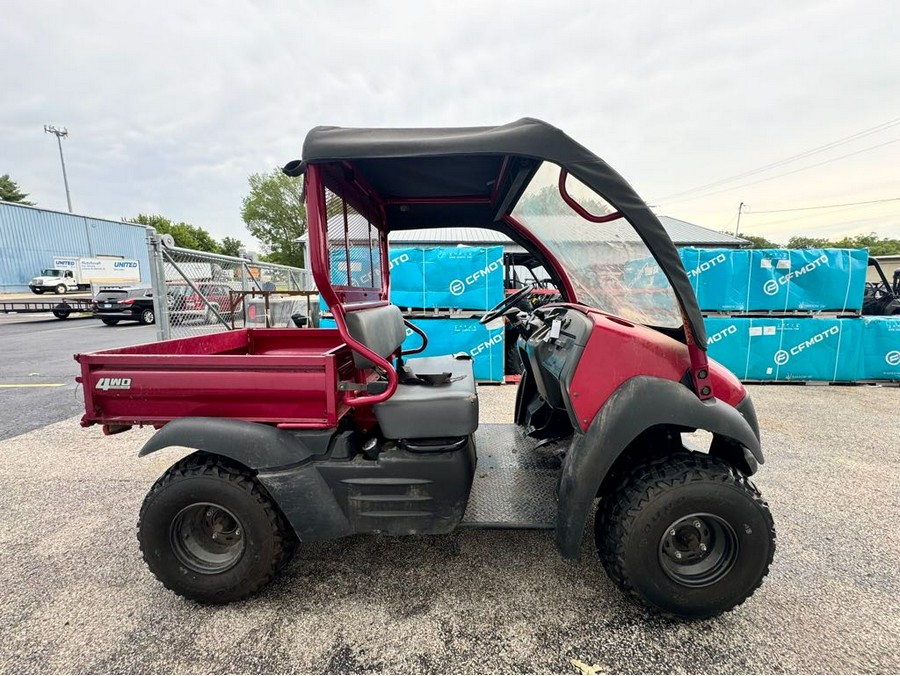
[(37, 371), (75, 595)]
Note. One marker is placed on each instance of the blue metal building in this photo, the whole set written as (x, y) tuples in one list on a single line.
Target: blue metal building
[(30, 238)]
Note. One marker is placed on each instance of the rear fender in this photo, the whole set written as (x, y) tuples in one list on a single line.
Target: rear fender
[(254, 445), (636, 405), (279, 460)]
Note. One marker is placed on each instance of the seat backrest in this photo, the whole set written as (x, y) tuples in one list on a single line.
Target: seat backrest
[(380, 329)]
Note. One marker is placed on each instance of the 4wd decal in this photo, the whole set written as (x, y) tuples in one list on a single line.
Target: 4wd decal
[(107, 384), (770, 288)]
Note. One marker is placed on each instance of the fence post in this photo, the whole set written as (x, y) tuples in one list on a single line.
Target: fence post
[(244, 289), (158, 284)]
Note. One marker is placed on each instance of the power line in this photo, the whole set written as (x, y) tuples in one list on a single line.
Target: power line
[(767, 226), (787, 160), (787, 173), (824, 206)]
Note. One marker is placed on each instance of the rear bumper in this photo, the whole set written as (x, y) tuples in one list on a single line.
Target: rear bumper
[(130, 314)]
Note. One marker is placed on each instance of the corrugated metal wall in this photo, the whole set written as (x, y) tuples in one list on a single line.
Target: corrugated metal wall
[(30, 238)]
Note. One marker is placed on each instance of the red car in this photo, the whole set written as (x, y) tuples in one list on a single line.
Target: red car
[(203, 303)]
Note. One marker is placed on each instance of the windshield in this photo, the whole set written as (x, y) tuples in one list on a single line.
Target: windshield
[(609, 265), (111, 295), (50, 272)]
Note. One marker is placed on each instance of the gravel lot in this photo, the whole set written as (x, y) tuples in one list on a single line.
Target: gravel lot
[(76, 597)]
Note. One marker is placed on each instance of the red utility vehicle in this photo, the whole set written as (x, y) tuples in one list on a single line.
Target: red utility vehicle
[(310, 434)]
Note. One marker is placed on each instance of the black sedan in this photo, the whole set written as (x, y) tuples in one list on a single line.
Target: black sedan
[(115, 305)]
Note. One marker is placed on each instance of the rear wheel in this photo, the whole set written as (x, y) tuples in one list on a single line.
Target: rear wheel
[(688, 535), (147, 316), (109, 322), (208, 531)]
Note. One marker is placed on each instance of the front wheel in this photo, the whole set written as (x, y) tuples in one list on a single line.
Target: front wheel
[(687, 535), (61, 289), (209, 533)]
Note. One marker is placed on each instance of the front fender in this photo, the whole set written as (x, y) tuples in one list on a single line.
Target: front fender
[(254, 445), (636, 405)]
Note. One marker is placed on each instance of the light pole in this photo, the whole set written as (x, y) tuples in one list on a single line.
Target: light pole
[(60, 135), (737, 228)]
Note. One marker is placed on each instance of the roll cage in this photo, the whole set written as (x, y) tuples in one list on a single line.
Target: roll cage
[(382, 180)]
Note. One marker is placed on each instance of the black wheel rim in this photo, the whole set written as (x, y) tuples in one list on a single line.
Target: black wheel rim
[(698, 550), (207, 538)]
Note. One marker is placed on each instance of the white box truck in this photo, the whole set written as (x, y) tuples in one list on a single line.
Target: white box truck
[(77, 274)]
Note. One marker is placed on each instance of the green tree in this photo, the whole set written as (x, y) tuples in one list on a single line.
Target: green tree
[(807, 243), (877, 246), (757, 242), (231, 246), (10, 191), (185, 235), (275, 214)]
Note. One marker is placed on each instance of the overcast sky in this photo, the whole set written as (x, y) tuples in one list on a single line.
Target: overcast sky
[(171, 105)]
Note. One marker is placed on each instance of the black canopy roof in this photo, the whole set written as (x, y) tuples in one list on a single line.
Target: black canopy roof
[(466, 162)]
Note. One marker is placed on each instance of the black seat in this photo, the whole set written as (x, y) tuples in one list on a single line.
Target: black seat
[(420, 411), (416, 410)]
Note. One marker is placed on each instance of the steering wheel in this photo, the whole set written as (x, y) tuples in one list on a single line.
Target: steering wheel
[(505, 304)]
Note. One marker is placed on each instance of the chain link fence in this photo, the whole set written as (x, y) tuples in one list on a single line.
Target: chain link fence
[(197, 293)]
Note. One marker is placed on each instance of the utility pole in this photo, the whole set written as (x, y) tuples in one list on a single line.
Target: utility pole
[(737, 228), (60, 135)]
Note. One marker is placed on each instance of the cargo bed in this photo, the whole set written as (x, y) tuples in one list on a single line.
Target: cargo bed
[(284, 376)]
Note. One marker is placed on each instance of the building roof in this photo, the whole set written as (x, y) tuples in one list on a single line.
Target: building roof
[(681, 232), (690, 234)]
